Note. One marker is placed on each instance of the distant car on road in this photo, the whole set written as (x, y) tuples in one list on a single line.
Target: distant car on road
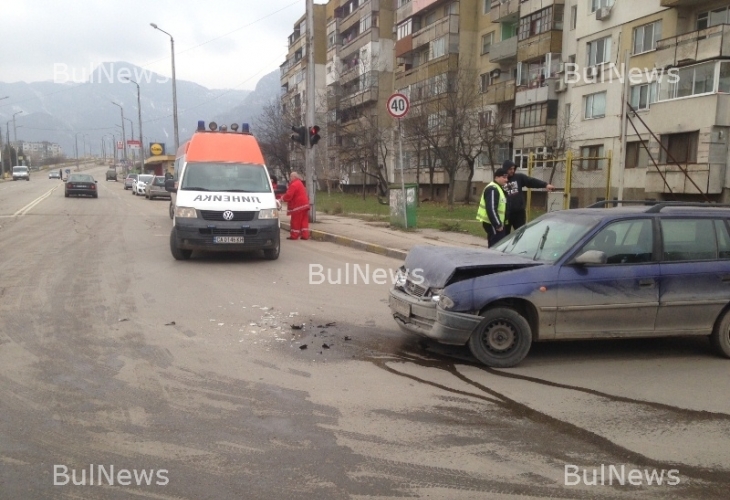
[(111, 174), (21, 173), (81, 184), (140, 183), (156, 188), (54, 174), (129, 181)]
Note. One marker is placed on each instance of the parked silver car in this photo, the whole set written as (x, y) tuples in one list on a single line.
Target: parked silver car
[(156, 188)]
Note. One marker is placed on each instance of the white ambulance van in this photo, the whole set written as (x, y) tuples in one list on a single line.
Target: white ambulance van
[(221, 195)]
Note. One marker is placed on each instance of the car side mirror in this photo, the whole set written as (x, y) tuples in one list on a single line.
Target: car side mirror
[(170, 186), (590, 257)]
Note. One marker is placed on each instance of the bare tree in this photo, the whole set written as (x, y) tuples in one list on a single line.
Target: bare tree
[(274, 136), (495, 132), (561, 137)]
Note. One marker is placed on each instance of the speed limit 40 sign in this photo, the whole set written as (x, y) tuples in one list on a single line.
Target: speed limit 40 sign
[(398, 105)]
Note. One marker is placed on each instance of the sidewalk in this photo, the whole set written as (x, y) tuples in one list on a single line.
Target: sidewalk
[(379, 237)]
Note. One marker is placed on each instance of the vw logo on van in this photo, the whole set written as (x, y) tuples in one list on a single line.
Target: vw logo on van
[(228, 215)]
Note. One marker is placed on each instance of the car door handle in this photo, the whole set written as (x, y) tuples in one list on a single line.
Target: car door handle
[(646, 283)]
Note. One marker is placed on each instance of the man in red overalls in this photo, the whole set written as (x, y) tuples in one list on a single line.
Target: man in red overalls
[(297, 205)]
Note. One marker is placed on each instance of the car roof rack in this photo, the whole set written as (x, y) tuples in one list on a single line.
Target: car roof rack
[(656, 206)]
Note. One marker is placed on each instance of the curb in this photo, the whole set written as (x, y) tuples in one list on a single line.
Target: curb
[(318, 235)]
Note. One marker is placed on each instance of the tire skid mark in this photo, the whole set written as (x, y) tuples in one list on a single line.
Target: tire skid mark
[(523, 411)]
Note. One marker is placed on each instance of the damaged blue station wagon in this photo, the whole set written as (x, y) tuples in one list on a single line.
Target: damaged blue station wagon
[(629, 271)]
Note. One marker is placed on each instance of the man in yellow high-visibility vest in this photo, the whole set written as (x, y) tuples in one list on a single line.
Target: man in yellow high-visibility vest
[(493, 207)]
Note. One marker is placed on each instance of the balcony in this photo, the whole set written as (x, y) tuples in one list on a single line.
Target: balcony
[(696, 46), (539, 45), (678, 3), (503, 51), (444, 26), (710, 179), (544, 93), (505, 10), (500, 92)]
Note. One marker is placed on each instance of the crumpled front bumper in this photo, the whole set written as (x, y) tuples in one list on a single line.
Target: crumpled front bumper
[(424, 317)]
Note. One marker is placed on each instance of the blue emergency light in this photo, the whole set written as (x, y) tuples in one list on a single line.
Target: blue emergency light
[(244, 128), (201, 126)]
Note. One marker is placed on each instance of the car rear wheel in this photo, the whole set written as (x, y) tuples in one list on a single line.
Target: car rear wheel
[(66, 195), (177, 252), (503, 339), (720, 338)]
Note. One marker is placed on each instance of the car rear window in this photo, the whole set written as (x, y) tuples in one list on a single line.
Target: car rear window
[(80, 178), (144, 178)]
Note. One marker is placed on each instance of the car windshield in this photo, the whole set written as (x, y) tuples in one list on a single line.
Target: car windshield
[(227, 177), (80, 178), (144, 178), (20, 169), (132, 176), (549, 237)]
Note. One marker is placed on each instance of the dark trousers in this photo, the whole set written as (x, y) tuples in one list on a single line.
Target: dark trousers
[(515, 220), (493, 236)]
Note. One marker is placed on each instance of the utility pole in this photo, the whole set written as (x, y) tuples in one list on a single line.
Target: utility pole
[(139, 119), (124, 140), (624, 128), (310, 113)]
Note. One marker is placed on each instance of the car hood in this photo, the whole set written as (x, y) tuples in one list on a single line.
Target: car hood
[(440, 266)]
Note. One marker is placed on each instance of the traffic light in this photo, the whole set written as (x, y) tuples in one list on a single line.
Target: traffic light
[(299, 135), (313, 136)]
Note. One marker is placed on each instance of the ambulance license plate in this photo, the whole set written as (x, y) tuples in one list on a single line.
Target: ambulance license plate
[(227, 239), (401, 307)]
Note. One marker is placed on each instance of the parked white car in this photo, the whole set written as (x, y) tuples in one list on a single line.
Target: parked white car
[(139, 184)]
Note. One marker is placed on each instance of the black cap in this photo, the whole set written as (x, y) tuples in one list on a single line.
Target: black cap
[(508, 164), (501, 172)]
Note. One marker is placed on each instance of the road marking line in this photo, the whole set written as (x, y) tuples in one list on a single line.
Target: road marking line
[(33, 203)]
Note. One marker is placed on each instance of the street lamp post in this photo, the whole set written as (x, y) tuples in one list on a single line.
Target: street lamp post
[(139, 118), (174, 87), (124, 140), (134, 153), (15, 130)]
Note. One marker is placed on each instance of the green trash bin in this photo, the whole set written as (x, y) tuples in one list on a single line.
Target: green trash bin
[(396, 205)]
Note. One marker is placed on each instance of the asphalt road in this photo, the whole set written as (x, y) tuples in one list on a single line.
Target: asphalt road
[(117, 360)]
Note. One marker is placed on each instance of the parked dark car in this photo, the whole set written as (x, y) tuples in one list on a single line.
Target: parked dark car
[(111, 174), (78, 184), (630, 271), (129, 181)]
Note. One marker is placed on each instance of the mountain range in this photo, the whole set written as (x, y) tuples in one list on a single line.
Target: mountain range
[(65, 112)]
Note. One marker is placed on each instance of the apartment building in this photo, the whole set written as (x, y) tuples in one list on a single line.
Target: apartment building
[(551, 73), (40, 150), (293, 76), (359, 80)]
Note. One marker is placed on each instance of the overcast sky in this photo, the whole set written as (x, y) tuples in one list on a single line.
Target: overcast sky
[(218, 43)]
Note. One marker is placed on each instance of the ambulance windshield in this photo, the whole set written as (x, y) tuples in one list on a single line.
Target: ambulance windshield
[(225, 177)]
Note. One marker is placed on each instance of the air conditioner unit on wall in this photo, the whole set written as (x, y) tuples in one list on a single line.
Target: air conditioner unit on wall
[(603, 13), (562, 86)]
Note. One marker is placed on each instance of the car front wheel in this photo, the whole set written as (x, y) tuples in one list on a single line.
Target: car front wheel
[(176, 251), (720, 338), (503, 338), (272, 253)]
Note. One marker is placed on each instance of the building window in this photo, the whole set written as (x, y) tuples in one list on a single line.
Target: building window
[(713, 18), (521, 157), (646, 37), (636, 155), (404, 29), (592, 157), (487, 41), (643, 95), (682, 148), (452, 8), (365, 23), (541, 21), (693, 80), (600, 4), (598, 51), (536, 115), (485, 80), (487, 6), (438, 47), (595, 105), (485, 119), (573, 17)]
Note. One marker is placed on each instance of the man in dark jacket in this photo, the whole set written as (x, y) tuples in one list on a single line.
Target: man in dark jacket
[(517, 214), (493, 208)]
